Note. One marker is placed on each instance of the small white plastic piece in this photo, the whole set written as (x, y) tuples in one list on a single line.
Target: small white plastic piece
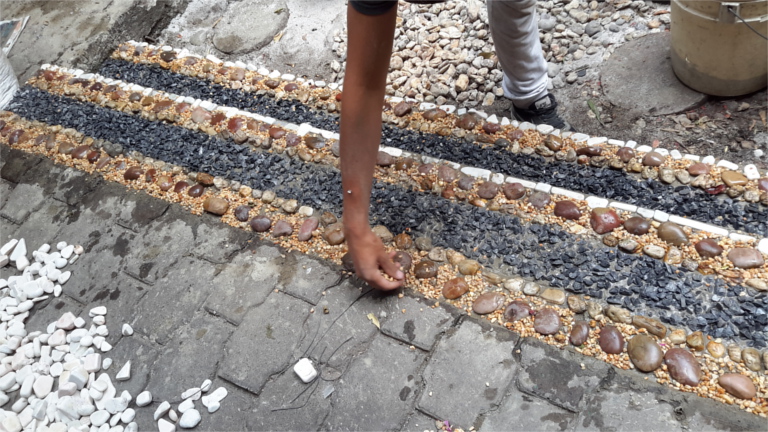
[(305, 370)]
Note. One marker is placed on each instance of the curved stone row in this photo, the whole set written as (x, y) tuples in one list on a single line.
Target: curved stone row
[(652, 162), (684, 200), (552, 324), (449, 182), (565, 263)]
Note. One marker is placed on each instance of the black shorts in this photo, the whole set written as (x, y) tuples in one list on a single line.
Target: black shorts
[(379, 7)]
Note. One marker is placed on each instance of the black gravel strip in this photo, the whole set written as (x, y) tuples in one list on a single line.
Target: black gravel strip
[(636, 282), (606, 183)]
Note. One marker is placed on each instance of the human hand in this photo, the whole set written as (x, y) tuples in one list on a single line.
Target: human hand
[(370, 258)]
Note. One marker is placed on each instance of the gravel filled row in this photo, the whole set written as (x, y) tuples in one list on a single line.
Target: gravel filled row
[(639, 283), (607, 183)]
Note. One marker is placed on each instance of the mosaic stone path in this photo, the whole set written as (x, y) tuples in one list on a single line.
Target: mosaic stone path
[(697, 288)]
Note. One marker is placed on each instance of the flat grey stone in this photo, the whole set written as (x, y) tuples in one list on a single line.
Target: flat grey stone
[(305, 413), (5, 190), (119, 293), (474, 361), (236, 34), (521, 412), (638, 76), (244, 283), (16, 162), (72, 185), (262, 345), (625, 406), (158, 247), (216, 242), (171, 303), (143, 355), (189, 358), (709, 415), (137, 209), (378, 390), (420, 325), (418, 421), (24, 199), (332, 338), (43, 225), (556, 375), (306, 278)]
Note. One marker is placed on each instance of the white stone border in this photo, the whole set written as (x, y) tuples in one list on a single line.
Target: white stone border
[(479, 173)]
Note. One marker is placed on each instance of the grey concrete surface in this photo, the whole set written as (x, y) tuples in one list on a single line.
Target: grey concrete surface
[(80, 33), (463, 372)]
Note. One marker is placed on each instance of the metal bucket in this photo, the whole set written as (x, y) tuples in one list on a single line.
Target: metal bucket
[(716, 53)]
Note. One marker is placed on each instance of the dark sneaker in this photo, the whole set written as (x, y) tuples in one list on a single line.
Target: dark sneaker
[(542, 111)]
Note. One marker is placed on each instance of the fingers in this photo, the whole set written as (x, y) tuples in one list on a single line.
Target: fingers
[(390, 267)]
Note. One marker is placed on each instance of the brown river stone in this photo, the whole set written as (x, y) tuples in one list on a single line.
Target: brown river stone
[(683, 366), (567, 210), (579, 333), (645, 353), (672, 233), (604, 220), (738, 385), (708, 248), (746, 258), (455, 288), (637, 225), (517, 310), (425, 269), (546, 321), (611, 340), (488, 302)]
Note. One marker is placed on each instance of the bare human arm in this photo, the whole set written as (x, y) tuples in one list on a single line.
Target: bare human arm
[(368, 54)]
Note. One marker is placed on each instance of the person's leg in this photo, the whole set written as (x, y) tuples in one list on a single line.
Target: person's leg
[(515, 32)]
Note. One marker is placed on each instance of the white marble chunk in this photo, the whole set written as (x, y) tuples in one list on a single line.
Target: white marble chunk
[(526, 184), (526, 126), (596, 202), (100, 417), (187, 405), (544, 129), (145, 398), (631, 144), (477, 172), (505, 121), (694, 158), (701, 226), (497, 178), (127, 330), (461, 111), (660, 216), (161, 410), (192, 393), (615, 142), (741, 237), (543, 187), (579, 137), (751, 172), (128, 415), (98, 310), (676, 155), (727, 165), (662, 151), (190, 419), (597, 141), (762, 246), (395, 152), (164, 425), (206, 386), (7, 248), (708, 160), (644, 149), (19, 251), (623, 206)]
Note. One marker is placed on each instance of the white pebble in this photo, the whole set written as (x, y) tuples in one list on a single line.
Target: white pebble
[(105, 347), (4, 260), (64, 277), (144, 398), (128, 415), (53, 274), (132, 427), (213, 407), (66, 253), (8, 247), (99, 320), (79, 250), (22, 263), (19, 251), (99, 418), (193, 393), (79, 322), (127, 330), (161, 410), (164, 425), (186, 405), (206, 386), (190, 419), (173, 416), (60, 263), (57, 290), (125, 372), (61, 245), (106, 363), (98, 310), (44, 248)]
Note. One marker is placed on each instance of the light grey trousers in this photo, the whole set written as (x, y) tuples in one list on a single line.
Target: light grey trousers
[(515, 31)]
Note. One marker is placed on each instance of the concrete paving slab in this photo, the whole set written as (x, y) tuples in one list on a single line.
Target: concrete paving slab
[(264, 342), (286, 403), (140, 352), (630, 403), (108, 262), (708, 415), (5, 189), (638, 76), (234, 34), (244, 283), (216, 242), (418, 421), (43, 225), (171, 304), (389, 371), (306, 278), (72, 185), (138, 209), (158, 247), (17, 163), (521, 412), (414, 320), (557, 376), (340, 327), (475, 361), (179, 366), (23, 200)]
